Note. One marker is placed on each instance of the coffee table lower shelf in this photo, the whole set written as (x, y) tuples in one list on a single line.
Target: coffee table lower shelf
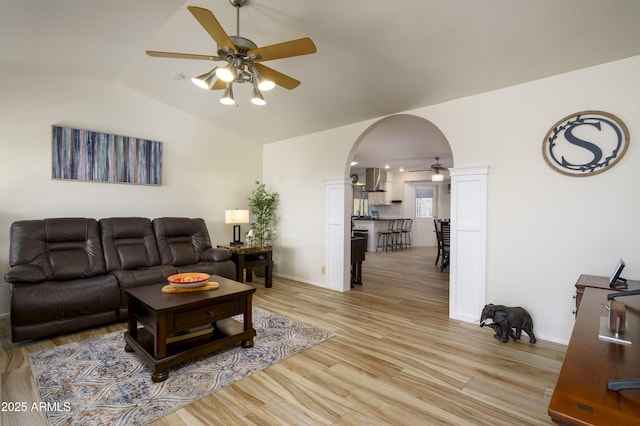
[(226, 333)]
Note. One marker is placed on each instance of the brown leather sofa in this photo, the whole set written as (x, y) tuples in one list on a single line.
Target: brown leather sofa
[(69, 274)]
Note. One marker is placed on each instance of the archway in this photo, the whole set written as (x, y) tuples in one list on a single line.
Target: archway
[(404, 147), (468, 256), (467, 286)]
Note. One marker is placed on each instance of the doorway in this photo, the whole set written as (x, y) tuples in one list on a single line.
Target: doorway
[(421, 204)]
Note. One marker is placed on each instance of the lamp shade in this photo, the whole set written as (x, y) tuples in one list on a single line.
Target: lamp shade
[(225, 74), (205, 81), (257, 98), (236, 216), (437, 177), (227, 97)]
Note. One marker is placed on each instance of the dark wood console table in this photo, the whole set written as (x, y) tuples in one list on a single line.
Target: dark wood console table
[(595, 281), (247, 258), (581, 396)]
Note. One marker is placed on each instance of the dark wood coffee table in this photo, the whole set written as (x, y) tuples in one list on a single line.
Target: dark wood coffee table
[(165, 316)]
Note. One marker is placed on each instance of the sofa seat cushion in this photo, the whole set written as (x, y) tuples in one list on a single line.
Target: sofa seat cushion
[(55, 300), (141, 277)]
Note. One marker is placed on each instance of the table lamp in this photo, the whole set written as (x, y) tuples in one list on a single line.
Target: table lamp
[(236, 217)]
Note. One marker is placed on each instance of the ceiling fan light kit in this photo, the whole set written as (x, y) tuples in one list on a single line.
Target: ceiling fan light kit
[(227, 98), (257, 98), (206, 80), (225, 74), (437, 177), (242, 57), (262, 83)]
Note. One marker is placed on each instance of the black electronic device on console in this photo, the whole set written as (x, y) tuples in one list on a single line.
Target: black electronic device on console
[(615, 280)]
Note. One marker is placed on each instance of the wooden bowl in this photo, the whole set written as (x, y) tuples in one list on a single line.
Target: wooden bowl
[(189, 279)]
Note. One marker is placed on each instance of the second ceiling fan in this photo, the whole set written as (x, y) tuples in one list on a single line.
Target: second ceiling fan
[(435, 168), (243, 58)]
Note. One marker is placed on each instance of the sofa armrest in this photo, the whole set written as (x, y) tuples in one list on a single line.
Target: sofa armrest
[(24, 274), (216, 254)]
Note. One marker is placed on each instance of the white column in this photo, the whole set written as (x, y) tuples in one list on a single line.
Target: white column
[(338, 254), (468, 256)]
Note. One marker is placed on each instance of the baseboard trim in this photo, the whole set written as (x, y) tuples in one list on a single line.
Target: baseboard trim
[(311, 282)]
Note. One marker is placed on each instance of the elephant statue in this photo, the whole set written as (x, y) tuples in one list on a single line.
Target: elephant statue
[(505, 319)]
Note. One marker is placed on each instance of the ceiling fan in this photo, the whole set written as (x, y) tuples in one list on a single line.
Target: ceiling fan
[(243, 58), (436, 169)]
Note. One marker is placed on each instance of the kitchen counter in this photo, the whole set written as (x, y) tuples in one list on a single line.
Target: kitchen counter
[(372, 226)]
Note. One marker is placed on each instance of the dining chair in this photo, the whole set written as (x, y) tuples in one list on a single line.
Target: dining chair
[(446, 240), (438, 231)]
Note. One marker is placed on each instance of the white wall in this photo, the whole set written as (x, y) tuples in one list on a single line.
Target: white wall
[(298, 169), (544, 228), (206, 169)]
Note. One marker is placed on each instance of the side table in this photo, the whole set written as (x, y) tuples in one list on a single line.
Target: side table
[(247, 258)]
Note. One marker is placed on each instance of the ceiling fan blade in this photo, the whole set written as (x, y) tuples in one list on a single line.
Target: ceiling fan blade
[(157, 54), (277, 77), (213, 27), (302, 46)]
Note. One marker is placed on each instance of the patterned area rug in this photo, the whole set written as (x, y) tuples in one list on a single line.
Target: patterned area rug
[(97, 382)]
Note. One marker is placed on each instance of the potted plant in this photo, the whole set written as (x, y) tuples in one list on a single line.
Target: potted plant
[(262, 207)]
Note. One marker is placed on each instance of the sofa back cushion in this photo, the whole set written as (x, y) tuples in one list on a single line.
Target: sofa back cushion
[(64, 248), (181, 240), (129, 243)]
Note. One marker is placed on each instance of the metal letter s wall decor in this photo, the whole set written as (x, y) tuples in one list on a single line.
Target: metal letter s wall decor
[(585, 143)]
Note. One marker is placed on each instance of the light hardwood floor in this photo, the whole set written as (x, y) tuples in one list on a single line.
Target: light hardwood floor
[(396, 358)]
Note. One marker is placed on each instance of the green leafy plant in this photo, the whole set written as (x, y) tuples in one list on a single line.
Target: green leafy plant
[(262, 206)]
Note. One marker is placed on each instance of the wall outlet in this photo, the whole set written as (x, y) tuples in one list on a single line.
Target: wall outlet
[(323, 270)]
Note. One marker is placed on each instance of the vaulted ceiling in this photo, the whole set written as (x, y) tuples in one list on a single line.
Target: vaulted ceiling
[(374, 58)]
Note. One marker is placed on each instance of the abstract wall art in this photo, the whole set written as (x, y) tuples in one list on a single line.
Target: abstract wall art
[(93, 156)]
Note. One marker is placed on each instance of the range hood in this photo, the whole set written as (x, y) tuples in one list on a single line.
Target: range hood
[(375, 178)]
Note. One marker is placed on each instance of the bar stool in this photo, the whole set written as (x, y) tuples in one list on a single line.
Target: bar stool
[(398, 240), (406, 232), (387, 237)]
